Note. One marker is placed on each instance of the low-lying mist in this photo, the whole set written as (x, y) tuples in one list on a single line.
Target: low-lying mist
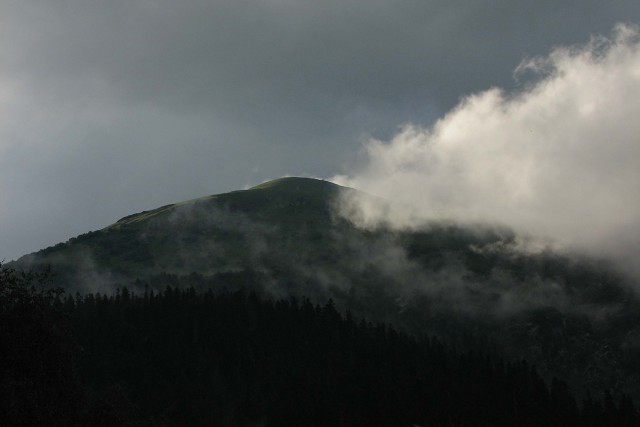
[(557, 160)]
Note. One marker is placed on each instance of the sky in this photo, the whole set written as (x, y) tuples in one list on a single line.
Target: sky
[(108, 108)]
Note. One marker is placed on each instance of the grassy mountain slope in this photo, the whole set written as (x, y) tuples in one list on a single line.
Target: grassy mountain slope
[(210, 234)]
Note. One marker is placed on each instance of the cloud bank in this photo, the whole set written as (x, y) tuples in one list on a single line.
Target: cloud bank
[(558, 159)]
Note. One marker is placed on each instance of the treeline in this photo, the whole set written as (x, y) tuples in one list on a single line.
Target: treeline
[(181, 357)]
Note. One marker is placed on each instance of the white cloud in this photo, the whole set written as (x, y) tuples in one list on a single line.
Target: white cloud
[(560, 159)]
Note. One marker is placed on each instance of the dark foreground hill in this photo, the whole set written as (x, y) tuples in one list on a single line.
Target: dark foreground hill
[(233, 359), (471, 287)]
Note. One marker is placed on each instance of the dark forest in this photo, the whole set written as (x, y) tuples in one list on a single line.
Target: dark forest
[(182, 357)]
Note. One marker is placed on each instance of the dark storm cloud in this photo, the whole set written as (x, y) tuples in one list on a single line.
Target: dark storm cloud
[(108, 107)]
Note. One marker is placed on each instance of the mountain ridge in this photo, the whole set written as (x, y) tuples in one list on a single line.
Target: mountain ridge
[(125, 248), (283, 238), (285, 184)]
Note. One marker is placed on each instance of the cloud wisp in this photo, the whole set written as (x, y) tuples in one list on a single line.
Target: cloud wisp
[(558, 159)]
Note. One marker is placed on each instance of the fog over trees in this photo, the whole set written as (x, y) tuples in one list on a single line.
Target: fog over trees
[(180, 357), (267, 306)]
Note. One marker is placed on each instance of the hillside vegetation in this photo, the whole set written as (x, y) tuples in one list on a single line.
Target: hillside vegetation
[(180, 357), (574, 318)]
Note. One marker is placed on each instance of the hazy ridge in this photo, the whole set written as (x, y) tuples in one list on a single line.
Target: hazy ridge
[(576, 318)]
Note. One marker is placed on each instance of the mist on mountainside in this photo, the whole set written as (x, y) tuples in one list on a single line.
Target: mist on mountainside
[(557, 160), (470, 286)]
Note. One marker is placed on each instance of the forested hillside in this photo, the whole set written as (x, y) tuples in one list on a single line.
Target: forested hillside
[(181, 357), (474, 288)]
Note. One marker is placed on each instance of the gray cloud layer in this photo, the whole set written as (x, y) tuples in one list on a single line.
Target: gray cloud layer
[(558, 160), (111, 107)]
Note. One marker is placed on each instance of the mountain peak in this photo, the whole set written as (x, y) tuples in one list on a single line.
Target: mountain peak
[(296, 184), (140, 242)]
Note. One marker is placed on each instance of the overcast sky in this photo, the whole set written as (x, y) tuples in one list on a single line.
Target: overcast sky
[(112, 107)]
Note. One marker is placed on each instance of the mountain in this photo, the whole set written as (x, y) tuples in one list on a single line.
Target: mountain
[(284, 227), (213, 234), (472, 287)]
